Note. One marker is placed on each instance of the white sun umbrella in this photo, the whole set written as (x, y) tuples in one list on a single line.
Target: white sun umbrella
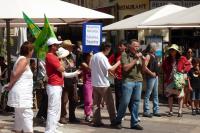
[(142, 18), (185, 18), (58, 12)]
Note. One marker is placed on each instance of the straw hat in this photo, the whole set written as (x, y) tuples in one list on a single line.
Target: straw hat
[(175, 47), (67, 43), (62, 53)]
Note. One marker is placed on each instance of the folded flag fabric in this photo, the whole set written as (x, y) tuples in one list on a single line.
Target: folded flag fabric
[(40, 35), (34, 29), (40, 42)]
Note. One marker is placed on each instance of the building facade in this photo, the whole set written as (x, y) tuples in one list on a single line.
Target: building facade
[(186, 37), (185, 3), (122, 9)]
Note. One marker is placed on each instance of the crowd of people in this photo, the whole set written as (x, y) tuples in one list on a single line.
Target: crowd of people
[(128, 65)]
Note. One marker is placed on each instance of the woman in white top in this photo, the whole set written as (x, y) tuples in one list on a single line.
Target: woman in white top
[(21, 90)]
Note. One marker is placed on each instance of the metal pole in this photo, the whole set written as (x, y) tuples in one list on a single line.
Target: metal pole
[(170, 35), (37, 69), (8, 47), (163, 89)]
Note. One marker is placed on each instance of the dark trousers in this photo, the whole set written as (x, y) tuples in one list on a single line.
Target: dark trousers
[(69, 94), (118, 94), (43, 105)]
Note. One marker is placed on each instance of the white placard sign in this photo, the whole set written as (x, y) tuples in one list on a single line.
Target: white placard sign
[(93, 35)]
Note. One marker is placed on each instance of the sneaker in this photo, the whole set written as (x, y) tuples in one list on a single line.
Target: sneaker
[(180, 115), (116, 125), (57, 131), (197, 111), (137, 127), (63, 120), (157, 114), (98, 124), (170, 114), (60, 124), (139, 119), (41, 120), (74, 120), (147, 115), (194, 112), (88, 119)]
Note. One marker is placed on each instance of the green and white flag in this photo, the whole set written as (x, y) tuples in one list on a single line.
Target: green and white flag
[(40, 42), (34, 29), (41, 35)]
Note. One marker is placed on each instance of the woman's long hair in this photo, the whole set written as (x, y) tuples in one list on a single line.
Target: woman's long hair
[(170, 58)]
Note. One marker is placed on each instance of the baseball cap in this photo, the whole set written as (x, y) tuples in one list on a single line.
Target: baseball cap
[(52, 41)]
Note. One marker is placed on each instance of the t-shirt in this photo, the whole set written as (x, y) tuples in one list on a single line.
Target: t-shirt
[(194, 81), (52, 64), (99, 70), (134, 74)]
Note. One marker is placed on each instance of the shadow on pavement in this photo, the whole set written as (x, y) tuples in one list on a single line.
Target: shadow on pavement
[(8, 120), (35, 131), (6, 126)]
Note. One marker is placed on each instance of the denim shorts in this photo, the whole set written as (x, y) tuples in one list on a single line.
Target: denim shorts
[(195, 94)]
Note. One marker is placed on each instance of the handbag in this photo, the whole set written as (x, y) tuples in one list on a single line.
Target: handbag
[(179, 80)]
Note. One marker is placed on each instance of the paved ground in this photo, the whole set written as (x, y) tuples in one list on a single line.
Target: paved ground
[(186, 124)]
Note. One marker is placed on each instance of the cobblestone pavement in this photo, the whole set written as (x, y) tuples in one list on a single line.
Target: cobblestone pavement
[(186, 124)]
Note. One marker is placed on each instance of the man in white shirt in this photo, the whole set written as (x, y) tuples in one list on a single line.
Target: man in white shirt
[(100, 67)]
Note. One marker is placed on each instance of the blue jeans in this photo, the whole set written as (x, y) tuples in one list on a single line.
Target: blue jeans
[(118, 94), (151, 85), (130, 91)]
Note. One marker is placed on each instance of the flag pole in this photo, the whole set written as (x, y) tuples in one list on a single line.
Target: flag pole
[(8, 47)]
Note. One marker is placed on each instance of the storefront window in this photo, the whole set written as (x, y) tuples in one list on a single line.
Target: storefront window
[(187, 38), (130, 34)]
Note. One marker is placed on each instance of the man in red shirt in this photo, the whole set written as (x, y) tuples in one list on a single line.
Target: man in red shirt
[(121, 47), (54, 86)]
